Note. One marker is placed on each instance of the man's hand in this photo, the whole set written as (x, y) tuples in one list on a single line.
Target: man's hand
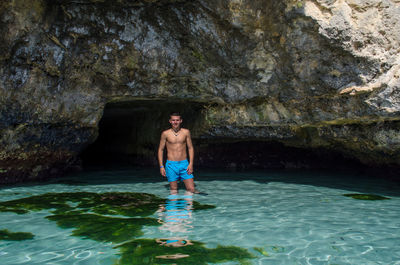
[(162, 172), (189, 169)]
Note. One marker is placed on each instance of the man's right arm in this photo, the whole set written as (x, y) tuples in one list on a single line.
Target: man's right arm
[(161, 153)]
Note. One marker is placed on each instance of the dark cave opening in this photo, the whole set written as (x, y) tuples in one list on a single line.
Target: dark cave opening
[(258, 154), (129, 134), (129, 131)]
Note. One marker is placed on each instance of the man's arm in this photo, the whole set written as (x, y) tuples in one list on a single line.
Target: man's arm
[(161, 153), (191, 153)]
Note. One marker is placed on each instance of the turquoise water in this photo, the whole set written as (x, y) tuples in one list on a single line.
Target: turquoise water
[(279, 217)]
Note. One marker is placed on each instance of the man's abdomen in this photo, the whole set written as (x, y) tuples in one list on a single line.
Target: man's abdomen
[(175, 153)]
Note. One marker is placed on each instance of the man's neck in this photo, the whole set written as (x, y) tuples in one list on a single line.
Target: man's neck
[(176, 129)]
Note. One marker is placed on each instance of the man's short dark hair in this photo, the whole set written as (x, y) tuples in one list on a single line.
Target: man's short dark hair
[(175, 114)]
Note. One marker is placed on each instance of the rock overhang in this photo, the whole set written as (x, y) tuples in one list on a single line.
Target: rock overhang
[(270, 70)]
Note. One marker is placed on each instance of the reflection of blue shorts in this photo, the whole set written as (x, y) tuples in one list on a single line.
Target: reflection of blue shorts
[(177, 170)]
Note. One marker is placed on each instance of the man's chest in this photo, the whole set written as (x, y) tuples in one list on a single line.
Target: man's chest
[(179, 139)]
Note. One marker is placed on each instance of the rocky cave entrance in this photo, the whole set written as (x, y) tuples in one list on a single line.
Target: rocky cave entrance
[(129, 131), (129, 134)]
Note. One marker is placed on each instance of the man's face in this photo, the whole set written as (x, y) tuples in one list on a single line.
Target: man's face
[(175, 121)]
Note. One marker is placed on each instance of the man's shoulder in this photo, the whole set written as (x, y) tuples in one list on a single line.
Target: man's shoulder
[(185, 130)]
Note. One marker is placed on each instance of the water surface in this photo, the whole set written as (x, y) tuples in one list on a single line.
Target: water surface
[(278, 217)]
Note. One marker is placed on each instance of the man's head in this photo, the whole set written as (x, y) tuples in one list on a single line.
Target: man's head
[(175, 120)]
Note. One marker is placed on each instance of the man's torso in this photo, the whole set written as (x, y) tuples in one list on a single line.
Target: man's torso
[(176, 144)]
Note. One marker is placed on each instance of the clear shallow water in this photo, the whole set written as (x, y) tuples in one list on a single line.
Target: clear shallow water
[(290, 217)]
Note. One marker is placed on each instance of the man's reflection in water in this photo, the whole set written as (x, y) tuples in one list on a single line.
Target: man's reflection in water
[(176, 217)]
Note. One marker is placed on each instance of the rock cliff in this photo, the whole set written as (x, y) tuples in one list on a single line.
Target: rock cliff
[(309, 74)]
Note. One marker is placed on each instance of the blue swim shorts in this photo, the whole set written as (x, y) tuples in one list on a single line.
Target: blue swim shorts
[(176, 170)]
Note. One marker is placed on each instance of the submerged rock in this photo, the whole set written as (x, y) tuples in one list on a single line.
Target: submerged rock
[(15, 236), (98, 216), (309, 74), (109, 203), (103, 228), (368, 197), (148, 251), (88, 214)]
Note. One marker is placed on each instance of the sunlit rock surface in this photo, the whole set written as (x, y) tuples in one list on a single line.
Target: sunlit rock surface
[(308, 74)]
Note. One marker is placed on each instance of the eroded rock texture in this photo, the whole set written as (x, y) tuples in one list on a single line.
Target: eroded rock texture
[(318, 73)]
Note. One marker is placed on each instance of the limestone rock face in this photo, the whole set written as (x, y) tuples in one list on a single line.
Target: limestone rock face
[(318, 73)]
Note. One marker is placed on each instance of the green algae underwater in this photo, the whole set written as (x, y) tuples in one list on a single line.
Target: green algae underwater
[(118, 217), (15, 236), (366, 197)]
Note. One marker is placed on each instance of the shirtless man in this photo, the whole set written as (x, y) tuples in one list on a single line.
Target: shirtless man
[(177, 167)]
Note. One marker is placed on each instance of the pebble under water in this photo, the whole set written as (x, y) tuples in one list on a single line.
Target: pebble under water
[(260, 217)]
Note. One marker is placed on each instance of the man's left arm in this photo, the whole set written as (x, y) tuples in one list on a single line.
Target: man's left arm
[(191, 153)]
